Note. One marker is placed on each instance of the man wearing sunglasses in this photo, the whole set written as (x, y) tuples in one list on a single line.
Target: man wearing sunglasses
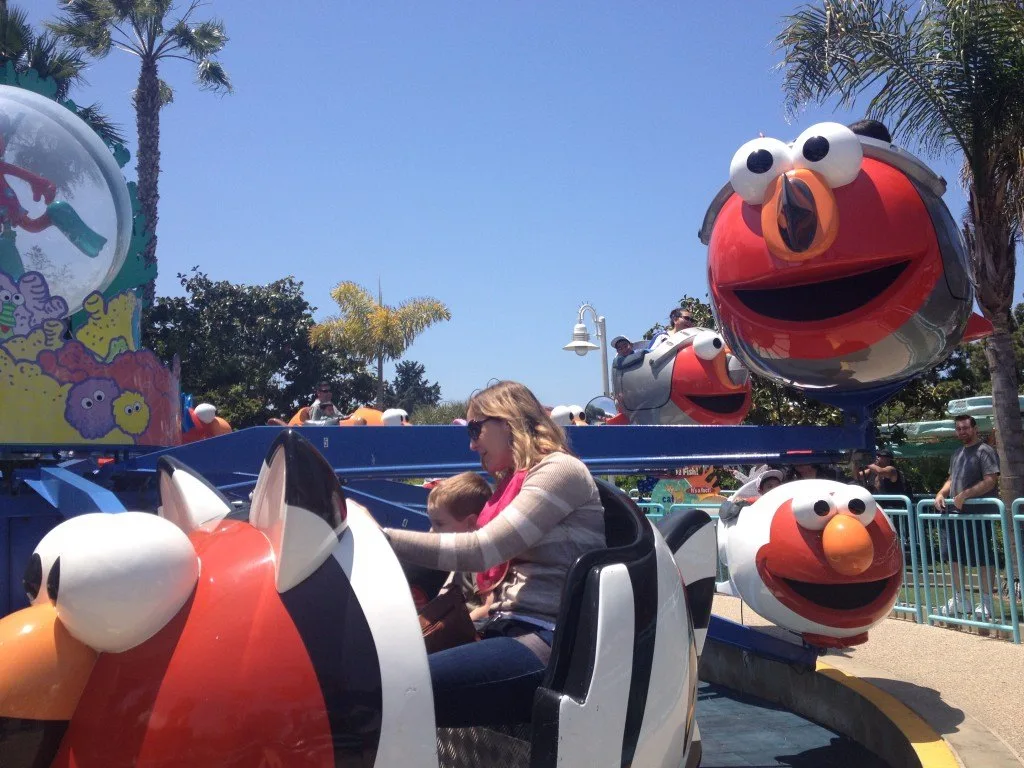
[(323, 407)]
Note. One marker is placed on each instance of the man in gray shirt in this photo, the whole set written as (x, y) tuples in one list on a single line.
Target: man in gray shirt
[(973, 473)]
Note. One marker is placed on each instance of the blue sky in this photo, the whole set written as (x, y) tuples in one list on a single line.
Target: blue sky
[(510, 159)]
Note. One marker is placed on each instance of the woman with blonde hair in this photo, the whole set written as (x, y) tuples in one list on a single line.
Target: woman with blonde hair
[(545, 513)]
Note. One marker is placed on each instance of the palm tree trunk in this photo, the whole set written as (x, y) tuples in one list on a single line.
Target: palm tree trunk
[(147, 120), (993, 256), (1002, 364), (380, 382)]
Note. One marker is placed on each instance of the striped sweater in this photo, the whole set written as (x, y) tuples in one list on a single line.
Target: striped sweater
[(556, 517)]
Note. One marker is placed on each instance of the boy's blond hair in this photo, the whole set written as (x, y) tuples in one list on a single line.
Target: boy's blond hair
[(461, 496)]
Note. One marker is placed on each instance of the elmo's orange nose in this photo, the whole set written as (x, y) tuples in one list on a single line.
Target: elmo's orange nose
[(799, 218), (847, 545), (43, 669)]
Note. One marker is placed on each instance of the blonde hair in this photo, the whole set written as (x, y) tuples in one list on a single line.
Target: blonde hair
[(534, 434), (461, 496)]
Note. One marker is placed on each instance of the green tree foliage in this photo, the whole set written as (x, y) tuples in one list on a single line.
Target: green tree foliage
[(410, 389), (245, 348), (949, 76), (145, 29), (373, 330), (442, 413)]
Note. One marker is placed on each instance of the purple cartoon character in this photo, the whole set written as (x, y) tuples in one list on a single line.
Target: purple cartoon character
[(26, 304), (90, 407)]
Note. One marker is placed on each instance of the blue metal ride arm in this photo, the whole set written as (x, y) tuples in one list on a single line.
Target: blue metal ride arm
[(233, 460)]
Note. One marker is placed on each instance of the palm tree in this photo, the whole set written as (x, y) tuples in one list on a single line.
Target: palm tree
[(142, 28), (372, 330), (948, 75)]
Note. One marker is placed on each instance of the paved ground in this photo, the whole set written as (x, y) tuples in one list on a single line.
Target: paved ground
[(960, 682), (742, 731)]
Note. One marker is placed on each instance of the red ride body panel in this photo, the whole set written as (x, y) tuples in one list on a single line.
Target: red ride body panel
[(230, 665)]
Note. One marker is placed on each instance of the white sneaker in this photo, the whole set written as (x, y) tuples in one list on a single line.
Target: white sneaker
[(984, 611), (955, 607)]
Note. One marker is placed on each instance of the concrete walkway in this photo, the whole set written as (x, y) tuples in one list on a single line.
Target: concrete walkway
[(968, 688)]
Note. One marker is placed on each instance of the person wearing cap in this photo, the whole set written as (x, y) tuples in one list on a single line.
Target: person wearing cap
[(769, 479), (623, 346), (882, 477)]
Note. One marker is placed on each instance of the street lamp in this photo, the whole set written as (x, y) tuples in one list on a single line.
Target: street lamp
[(581, 343)]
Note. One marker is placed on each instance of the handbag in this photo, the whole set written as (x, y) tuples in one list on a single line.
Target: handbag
[(445, 621)]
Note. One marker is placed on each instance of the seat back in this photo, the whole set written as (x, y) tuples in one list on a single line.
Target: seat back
[(571, 670)]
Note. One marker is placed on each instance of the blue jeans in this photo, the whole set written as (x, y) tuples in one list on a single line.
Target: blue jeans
[(490, 682)]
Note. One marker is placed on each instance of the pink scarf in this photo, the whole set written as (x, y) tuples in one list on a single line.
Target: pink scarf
[(503, 495)]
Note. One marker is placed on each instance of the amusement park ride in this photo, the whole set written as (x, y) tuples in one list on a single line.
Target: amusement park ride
[(249, 621)]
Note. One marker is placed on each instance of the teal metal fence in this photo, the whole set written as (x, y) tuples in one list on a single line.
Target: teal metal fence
[(1017, 526), (964, 558), (900, 510), (955, 563)]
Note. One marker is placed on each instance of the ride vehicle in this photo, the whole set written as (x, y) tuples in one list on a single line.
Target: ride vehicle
[(834, 265), (816, 557), (285, 634), (681, 383)]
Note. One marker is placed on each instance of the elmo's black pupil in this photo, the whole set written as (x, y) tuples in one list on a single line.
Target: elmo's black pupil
[(821, 508), (857, 506), (815, 148), (760, 161), (33, 579)]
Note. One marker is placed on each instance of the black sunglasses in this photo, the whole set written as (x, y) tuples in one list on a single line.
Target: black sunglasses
[(475, 427)]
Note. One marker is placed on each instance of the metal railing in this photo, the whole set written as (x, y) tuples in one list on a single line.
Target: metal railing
[(962, 566), (900, 510), (955, 563)]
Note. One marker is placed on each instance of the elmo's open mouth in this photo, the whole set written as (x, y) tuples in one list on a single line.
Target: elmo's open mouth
[(838, 597), (722, 404), (823, 300)]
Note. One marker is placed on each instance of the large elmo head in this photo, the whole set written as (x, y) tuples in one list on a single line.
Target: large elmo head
[(833, 261)]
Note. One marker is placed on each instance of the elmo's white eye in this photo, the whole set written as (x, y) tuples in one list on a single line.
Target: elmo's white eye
[(18, 299), (859, 502), (115, 579), (832, 150), (48, 550), (708, 345), (813, 511), (756, 165)]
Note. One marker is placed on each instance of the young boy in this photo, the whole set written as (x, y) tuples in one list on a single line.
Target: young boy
[(453, 507)]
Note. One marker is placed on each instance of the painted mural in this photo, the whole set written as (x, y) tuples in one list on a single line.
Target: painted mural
[(71, 368)]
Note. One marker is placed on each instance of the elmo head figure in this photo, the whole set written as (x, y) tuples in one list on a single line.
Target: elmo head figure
[(834, 264), (816, 557), (679, 382)]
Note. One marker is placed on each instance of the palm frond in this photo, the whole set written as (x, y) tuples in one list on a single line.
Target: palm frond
[(50, 59), (211, 76), (932, 70), (107, 130), (166, 93), (16, 34), (416, 315)]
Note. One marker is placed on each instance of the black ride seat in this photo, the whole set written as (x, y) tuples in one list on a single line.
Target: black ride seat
[(630, 540)]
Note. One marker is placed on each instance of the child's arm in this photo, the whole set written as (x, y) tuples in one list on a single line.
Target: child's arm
[(484, 610)]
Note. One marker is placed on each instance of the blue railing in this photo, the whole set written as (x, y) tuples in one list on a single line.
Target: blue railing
[(986, 544)]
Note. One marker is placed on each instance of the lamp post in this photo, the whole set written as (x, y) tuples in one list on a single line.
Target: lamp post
[(581, 343)]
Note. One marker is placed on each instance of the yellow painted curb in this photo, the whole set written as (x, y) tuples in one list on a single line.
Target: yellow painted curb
[(930, 747)]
